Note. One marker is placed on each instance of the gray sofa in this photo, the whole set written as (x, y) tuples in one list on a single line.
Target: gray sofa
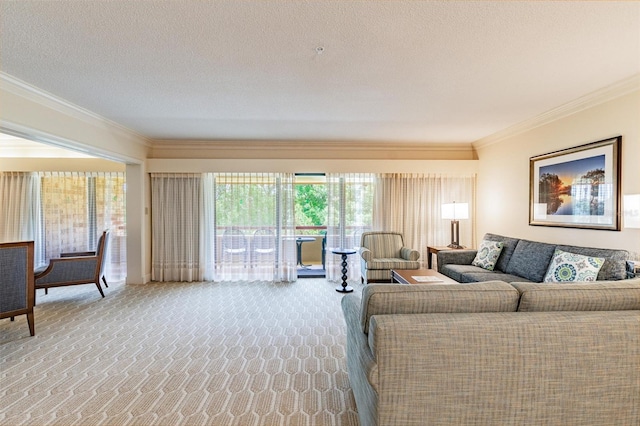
[(494, 353), (524, 260)]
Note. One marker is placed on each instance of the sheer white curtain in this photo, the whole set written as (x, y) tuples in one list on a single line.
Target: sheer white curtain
[(349, 213), (20, 213), (249, 229), (77, 207), (412, 204), (176, 209)]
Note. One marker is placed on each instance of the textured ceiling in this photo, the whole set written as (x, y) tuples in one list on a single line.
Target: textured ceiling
[(425, 71)]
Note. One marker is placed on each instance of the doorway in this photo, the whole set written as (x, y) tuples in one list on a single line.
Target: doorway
[(311, 224)]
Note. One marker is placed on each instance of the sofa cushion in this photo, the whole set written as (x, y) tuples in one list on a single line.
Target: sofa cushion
[(530, 260), (474, 277), (392, 263), (614, 267), (488, 254), (597, 296), (570, 267), (455, 271), (384, 299), (509, 245), (472, 274)]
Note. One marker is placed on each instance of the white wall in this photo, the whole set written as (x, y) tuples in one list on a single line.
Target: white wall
[(503, 172)]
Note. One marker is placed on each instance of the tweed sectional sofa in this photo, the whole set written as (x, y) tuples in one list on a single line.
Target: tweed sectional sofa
[(494, 353), (524, 260)]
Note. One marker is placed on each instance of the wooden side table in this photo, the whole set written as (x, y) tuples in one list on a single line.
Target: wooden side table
[(434, 250)]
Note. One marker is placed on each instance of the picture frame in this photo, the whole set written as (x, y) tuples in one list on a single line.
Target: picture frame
[(577, 187)]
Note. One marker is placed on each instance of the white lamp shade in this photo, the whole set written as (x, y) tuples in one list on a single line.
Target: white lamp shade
[(632, 211), (455, 211)]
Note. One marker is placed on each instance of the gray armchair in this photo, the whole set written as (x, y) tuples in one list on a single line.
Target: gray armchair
[(17, 294), (381, 252), (75, 268)]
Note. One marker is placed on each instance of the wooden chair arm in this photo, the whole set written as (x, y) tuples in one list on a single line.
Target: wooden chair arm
[(78, 254)]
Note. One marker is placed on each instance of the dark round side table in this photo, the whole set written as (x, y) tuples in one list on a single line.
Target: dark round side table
[(344, 288)]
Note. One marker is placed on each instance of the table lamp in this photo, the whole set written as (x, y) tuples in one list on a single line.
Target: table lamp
[(632, 211), (455, 211)]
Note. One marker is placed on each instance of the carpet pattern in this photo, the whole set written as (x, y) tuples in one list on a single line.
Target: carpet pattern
[(179, 354)]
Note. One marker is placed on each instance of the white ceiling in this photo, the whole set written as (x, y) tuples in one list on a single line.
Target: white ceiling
[(390, 70)]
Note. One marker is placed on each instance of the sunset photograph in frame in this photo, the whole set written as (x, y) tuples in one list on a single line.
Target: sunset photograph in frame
[(577, 187)]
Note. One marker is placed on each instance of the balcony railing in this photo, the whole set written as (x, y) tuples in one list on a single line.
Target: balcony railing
[(311, 251)]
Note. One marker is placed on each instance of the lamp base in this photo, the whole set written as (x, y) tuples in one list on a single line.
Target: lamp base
[(455, 235)]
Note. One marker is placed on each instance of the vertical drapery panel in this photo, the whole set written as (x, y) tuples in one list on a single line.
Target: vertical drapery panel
[(349, 213), (249, 230), (76, 207), (20, 211), (286, 268), (176, 208), (110, 213), (412, 204)]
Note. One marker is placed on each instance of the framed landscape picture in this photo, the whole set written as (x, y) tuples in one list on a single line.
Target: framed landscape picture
[(577, 187)]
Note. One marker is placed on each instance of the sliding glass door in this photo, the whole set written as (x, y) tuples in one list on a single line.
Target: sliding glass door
[(249, 227)]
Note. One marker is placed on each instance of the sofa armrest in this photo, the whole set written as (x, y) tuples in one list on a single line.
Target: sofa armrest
[(455, 257), (409, 254), (361, 365), (366, 254)]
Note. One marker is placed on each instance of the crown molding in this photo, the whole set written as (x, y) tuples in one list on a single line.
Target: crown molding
[(590, 100), (310, 149), (32, 93), (179, 144)]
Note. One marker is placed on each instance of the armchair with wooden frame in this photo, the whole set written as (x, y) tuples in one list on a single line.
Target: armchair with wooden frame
[(17, 294), (75, 268)]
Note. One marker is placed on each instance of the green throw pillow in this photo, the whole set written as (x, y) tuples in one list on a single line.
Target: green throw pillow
[(488, 254), (568, 267)]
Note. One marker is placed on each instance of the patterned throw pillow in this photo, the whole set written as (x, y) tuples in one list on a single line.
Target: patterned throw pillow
[(568, 267), (488, 254)]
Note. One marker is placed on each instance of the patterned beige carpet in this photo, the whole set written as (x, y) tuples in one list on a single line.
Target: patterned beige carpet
[(179, 354)]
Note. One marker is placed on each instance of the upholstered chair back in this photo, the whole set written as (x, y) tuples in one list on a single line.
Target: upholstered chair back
[(383, 244)]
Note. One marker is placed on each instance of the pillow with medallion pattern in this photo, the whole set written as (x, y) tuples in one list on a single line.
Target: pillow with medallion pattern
[(569, 267), (488, 254)]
